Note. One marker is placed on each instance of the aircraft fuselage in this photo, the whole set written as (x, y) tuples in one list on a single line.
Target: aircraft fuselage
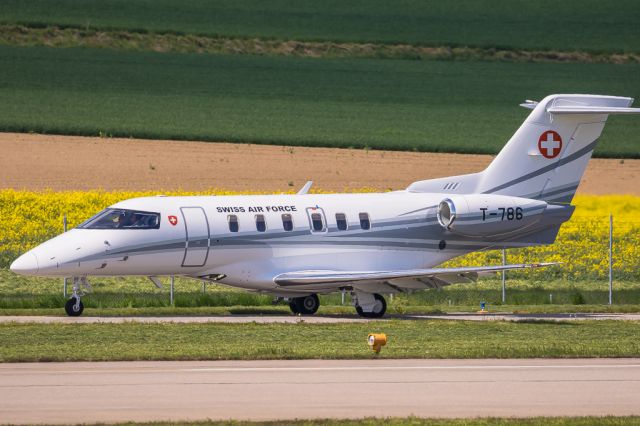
[(250, 239)]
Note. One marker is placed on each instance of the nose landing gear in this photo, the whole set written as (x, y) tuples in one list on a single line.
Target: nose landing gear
[(74, 306)]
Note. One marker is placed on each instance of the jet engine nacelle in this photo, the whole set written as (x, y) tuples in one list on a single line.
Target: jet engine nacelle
[(487, 214)]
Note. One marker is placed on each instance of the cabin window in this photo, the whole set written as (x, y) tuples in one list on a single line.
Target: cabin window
[(317, 222), (122, 219), (341, 221), (233, 223), (365, 223), (287, 222), (261, 225)]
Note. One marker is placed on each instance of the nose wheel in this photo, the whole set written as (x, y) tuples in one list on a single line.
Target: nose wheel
[(74, 307)]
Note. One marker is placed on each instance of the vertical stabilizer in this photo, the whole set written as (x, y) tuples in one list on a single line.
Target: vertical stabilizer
[(546, 158)]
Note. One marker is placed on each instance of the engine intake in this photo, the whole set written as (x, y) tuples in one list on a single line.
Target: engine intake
[(487, 214), (446, 213)]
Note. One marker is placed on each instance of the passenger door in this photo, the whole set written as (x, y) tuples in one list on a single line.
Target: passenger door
[(197, 236)]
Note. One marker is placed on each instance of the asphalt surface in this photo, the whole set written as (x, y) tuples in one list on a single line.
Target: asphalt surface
[(316, 319), (257, 390)]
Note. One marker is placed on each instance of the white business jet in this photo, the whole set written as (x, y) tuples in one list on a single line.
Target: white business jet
[(299, 246)]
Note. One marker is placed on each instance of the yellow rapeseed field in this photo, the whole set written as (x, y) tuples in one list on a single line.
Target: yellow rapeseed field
[(28, 218), (583, 243)]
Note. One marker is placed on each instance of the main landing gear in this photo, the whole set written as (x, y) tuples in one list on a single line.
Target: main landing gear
[(74, 306), (369, 305), (307, 305)]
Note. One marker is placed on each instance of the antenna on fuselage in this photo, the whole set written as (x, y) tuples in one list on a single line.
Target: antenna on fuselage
[(305, 188), (156, 281)]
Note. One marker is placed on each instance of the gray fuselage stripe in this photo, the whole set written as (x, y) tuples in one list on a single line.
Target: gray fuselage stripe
[(417, 211), (584, 151)]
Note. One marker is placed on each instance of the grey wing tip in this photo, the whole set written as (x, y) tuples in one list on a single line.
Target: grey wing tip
[(545, 264)]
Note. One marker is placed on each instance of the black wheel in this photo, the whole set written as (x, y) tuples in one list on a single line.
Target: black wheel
[(293, 306), (70, 308), (307, 305), (379, 308)]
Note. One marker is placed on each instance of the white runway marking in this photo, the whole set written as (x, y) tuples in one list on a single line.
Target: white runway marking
[(390, 368)]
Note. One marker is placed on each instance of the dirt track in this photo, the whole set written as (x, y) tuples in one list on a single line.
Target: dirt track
[(38, 162)]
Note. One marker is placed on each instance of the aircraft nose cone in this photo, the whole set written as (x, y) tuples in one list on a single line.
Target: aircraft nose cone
[(27, 264)]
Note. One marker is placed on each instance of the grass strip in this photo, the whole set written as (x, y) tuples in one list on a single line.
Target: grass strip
[(416, 421), (407, 339), (589, 25), (332, 310), (17, 35), (450, 106)]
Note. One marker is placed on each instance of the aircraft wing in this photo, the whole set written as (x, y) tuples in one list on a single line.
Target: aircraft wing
[(434, 277)]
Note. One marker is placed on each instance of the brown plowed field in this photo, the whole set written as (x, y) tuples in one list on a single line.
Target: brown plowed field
[(37, 162)]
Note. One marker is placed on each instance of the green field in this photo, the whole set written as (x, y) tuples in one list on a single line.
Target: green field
[(589, 25), (407, 339), (346, 101), (387, 104)]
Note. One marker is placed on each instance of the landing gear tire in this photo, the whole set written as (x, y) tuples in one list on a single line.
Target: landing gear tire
[(379, 308), (307, 305), (74, 307)]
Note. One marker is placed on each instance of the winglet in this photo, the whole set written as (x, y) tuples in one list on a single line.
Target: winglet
[(305, 188), (529, 104)]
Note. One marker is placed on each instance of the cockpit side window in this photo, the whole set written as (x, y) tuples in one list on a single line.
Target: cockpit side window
[(122, 219)]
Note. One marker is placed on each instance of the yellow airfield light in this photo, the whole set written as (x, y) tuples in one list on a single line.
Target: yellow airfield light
[(376, 341)]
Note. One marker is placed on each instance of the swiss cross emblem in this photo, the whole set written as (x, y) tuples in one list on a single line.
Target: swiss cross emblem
[(173, 220), (550, 144)]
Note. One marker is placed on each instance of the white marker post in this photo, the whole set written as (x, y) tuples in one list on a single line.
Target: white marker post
[(171, 291), (504, 277), (610, 259), (64, 226)]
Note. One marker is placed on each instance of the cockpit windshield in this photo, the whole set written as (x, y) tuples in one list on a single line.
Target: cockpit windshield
[(122, 219)]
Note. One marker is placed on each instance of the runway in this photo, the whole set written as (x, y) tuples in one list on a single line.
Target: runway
[(260, 390), (316, 319)]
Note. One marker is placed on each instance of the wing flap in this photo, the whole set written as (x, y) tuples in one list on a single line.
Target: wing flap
[(448, 275)]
